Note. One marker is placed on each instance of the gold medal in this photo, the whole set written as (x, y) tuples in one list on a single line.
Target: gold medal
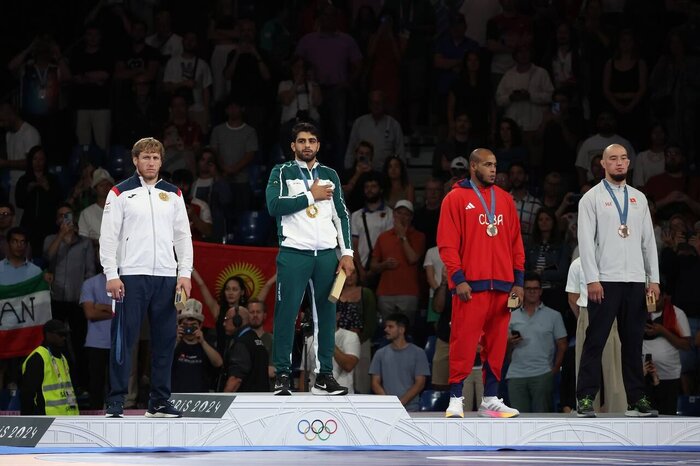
[(623, 231), (491, 229), (163, 196), (312, 211)]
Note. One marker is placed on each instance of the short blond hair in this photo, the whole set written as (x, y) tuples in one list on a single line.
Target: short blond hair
[(147, 145)]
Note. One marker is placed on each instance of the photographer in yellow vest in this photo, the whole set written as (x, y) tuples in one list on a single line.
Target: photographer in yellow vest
[(46, 386)]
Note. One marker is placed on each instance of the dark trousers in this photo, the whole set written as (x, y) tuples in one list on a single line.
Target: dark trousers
[(626, 302), (152, 296), (73, 314), (664, 396), (98, 363)]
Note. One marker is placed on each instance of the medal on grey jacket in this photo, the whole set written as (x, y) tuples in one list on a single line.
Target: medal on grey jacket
[(491, 228), (623, 230)]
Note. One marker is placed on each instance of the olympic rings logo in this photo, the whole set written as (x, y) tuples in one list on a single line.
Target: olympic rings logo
[(317, 428)]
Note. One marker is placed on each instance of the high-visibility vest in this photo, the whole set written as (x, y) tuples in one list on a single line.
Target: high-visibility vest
[(56, 386)]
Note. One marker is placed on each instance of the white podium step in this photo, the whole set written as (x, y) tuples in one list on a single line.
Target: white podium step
[(355, 421)]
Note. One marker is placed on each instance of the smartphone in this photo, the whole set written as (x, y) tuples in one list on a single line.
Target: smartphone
[(647, 357), (68, 218), (515, 333), (556, 107)]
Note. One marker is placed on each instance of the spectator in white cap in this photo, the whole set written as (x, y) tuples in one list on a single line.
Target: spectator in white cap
[(195, 361), (396, 258), (459, 169), (91, 218)]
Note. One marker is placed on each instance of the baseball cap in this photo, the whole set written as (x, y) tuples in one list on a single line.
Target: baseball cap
[(404, 203), (459, 163), (100, 175), (192, 310), (55, 326)]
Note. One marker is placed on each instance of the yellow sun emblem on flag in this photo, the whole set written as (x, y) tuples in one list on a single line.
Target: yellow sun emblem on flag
[(252, 277)]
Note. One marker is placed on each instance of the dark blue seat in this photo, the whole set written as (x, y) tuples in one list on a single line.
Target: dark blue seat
[(252, 228), (434, 400), (430, 350), (119, 163)]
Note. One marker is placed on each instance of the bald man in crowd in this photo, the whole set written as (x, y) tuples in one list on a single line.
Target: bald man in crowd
[(621, 270)]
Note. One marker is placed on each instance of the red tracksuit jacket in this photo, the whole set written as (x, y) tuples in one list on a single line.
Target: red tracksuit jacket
[(469, 254)]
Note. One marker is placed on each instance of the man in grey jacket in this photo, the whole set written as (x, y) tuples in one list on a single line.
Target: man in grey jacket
[(620, 268)]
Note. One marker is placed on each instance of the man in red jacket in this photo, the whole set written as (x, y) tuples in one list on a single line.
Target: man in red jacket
[(479, 241)]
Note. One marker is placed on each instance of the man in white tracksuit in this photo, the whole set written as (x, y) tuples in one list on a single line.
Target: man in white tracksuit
[(146, 253)]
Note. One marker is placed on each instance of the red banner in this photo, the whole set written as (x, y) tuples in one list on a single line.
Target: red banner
[(216, 263)]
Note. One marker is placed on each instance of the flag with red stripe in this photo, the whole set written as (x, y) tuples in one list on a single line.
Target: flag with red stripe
[(216, 263), (24, 308)]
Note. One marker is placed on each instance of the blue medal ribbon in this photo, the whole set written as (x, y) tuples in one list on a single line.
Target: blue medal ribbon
[(490, 215), (622, 213), (303, 176)]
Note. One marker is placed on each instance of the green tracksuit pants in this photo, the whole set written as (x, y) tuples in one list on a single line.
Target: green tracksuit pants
[(295, 270)]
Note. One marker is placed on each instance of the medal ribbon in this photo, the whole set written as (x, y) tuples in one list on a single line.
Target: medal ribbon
[(314, 175), (621, 213), (490, 215)]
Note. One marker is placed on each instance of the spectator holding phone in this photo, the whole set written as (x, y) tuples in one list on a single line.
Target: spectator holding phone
[(536, 331), (71, 260), (195, 359), (666, 334)]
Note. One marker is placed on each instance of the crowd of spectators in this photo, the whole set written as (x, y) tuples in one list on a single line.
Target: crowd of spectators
[(545, 85)]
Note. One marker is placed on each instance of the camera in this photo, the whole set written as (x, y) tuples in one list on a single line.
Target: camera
[(188, 330), (307, 325), (647, 357), (362, 159)]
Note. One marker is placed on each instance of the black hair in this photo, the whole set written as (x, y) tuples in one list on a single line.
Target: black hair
[(531, 276), (304, 127), (400, 319), (14, 231)]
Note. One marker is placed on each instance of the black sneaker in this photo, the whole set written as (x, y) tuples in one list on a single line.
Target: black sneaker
[(282, 385), (115, 409), (327, 385), (584, 407), (642, 408), (162, 409)]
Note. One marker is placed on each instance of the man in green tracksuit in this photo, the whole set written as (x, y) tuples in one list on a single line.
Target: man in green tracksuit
[(312, 221)]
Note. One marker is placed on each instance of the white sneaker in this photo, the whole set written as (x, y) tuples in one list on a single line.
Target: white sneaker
[(492, 406), (456, 407)]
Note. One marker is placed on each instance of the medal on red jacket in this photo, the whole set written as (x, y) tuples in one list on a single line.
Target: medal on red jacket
[(491, 228)]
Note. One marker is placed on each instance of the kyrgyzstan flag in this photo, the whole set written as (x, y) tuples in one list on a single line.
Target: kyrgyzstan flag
[(216, 263), (24, 308)]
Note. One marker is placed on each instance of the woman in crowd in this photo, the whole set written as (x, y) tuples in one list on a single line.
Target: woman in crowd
[(395, 182), (357, 311), (233, 294), (38, 194)]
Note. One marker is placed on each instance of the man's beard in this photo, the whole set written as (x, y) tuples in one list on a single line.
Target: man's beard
[(483, 180), (618, 176), (304, 157), (672, 169), (372, 199)]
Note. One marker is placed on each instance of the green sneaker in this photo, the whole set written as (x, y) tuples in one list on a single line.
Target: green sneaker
[(642, 408), (584, 407)]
